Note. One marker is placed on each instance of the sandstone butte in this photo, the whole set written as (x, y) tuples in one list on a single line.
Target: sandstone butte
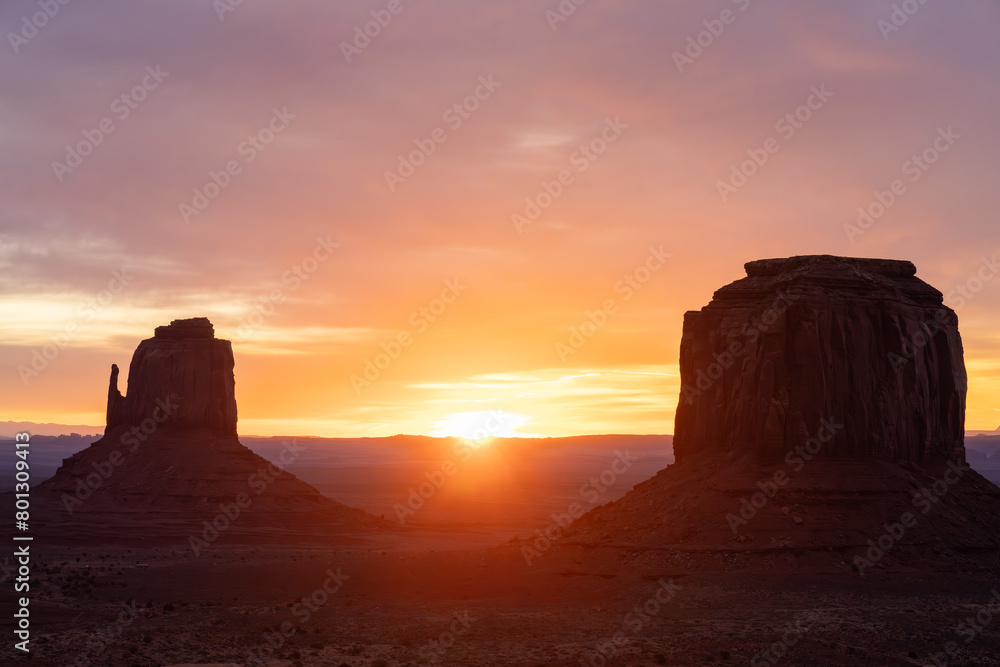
[(819, 425), (170, 460)]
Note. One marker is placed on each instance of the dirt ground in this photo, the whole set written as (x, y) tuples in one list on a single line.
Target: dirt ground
[(450, 599)]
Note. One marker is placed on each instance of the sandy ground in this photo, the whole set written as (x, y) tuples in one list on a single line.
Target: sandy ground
[(448, 599)]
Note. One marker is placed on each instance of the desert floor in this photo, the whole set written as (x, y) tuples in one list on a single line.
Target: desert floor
[(434, 598)]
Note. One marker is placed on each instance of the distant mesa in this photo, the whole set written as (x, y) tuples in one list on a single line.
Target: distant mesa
[(170, 459), (822, 407)]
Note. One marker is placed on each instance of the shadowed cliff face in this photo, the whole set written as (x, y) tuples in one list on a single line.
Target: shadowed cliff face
[(182, 378), (170, 461), (861, 343), (822, 407)]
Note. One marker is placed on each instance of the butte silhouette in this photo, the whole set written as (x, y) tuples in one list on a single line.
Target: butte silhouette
[(820, 423), (170, 465)]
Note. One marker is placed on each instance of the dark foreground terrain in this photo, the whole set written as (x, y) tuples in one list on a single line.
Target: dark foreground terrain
[(441, 599), (450, 587)]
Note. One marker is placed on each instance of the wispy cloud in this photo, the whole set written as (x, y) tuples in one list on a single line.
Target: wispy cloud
[(324, 175)]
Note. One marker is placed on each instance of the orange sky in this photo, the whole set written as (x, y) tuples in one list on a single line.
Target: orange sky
[(593, 111)]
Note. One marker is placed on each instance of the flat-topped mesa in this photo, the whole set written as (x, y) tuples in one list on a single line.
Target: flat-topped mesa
[(180, 378), (861, 343)]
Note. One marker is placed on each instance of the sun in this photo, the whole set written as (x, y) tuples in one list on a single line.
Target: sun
[(480, 427)]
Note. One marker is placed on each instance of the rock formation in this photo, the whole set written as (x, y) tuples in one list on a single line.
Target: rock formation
[(799, 340), (822, 408), (185, 361), (170, 459)]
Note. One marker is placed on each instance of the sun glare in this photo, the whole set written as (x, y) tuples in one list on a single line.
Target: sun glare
[(480, 427)]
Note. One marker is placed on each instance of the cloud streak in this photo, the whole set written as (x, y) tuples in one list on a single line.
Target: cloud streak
[(324, 175)]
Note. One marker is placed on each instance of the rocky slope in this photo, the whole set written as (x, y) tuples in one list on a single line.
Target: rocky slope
[(170, 460), (814, 422), (713, 513)]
